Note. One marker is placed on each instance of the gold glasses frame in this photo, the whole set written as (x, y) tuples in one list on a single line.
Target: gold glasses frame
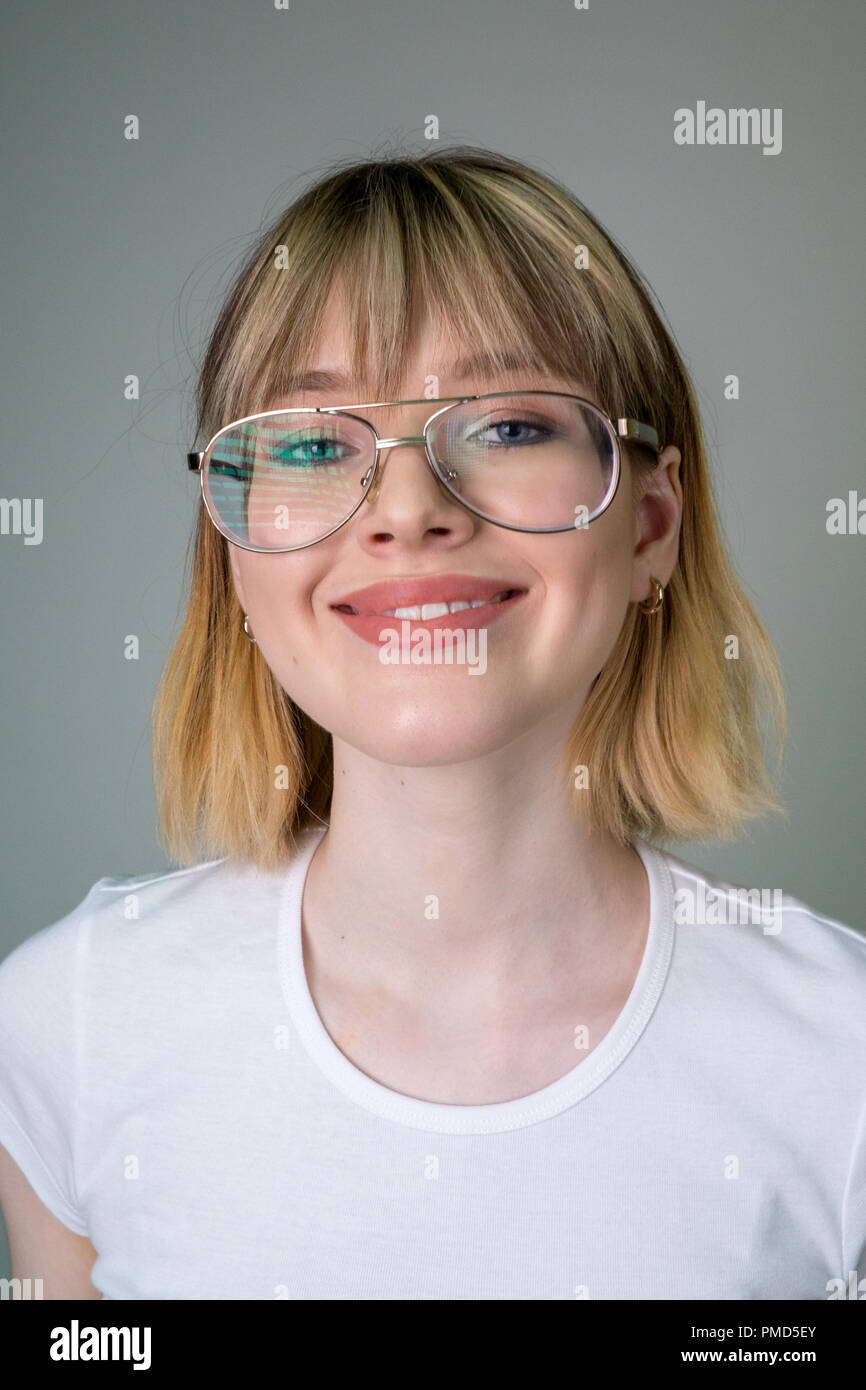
[(633, 431)]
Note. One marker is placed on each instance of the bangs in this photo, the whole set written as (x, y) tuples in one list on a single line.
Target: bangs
[(401, 249)]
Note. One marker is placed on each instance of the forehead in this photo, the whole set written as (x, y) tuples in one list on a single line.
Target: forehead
[(439, 358)]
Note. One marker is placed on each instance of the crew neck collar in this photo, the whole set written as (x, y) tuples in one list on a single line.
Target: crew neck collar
[(500, 1116)]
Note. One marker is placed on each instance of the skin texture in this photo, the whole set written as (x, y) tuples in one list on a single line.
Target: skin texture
[(40, 1245), (445, 784)]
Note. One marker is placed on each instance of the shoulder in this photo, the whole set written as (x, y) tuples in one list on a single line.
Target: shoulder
[(703, 898), (764, 940), (48, 954), (133, 920), (163, 923)]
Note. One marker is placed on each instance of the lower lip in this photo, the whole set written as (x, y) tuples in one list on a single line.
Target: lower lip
[(370, 626)]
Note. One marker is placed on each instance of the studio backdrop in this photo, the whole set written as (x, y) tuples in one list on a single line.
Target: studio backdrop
[(146, 146)]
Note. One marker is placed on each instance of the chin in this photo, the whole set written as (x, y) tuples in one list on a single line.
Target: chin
[(406, 738)]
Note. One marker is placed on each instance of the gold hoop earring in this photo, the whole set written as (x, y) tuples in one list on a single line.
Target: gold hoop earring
[(247, 629), (652, 605)]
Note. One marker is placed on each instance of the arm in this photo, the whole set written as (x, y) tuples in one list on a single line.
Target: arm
[(41, 1246)]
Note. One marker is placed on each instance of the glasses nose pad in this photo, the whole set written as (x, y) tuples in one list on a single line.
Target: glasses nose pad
[(375, 468)]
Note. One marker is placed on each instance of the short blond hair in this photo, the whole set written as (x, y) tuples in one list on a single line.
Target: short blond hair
[(669, 730)]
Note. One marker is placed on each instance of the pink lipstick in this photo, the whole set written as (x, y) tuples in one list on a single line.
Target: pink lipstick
[(439, 601)]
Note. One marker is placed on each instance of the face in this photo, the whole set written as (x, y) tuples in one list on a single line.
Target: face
[(543, 646)]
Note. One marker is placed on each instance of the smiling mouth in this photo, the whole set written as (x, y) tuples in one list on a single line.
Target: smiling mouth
[(423, 612)]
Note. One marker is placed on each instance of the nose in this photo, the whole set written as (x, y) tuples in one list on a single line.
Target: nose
[(414, 502)]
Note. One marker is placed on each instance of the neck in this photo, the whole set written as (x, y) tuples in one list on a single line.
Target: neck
[(474, 878)]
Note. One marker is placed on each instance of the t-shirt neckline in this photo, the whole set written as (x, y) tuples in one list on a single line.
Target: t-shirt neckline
[(500, 1116)]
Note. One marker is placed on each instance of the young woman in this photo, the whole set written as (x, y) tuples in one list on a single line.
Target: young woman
[(427, 1012)]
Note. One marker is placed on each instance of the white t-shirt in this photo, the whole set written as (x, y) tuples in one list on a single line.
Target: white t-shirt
[(167, 1087)]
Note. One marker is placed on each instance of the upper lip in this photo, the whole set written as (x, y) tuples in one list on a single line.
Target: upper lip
[(389, 594)]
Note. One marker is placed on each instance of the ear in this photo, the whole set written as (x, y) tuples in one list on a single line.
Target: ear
[(658, 517)]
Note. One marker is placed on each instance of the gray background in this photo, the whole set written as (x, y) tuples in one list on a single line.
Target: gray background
[(117, 253)]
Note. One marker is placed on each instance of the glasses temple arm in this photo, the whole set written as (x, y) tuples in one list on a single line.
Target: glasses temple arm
[(638, 433)]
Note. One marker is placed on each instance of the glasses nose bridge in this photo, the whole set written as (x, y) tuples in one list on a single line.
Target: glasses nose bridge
[(401, 439), (392, 442)]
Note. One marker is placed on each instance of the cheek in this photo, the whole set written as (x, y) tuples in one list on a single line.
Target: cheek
[(588, 580), (276, 595), (609, 595), (309, 660)]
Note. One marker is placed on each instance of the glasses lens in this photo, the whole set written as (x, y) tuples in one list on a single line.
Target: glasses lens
[(527, 458), (286, 479)]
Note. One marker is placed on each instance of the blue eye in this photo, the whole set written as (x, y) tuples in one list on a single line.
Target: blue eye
[(518, 437)]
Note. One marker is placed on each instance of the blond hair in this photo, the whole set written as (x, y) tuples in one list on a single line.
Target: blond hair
[(669, 730)]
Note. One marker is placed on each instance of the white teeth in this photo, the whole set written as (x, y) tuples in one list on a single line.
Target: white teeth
[(421, 612)]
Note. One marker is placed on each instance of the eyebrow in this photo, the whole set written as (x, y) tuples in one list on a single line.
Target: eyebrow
[(462, 369)]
